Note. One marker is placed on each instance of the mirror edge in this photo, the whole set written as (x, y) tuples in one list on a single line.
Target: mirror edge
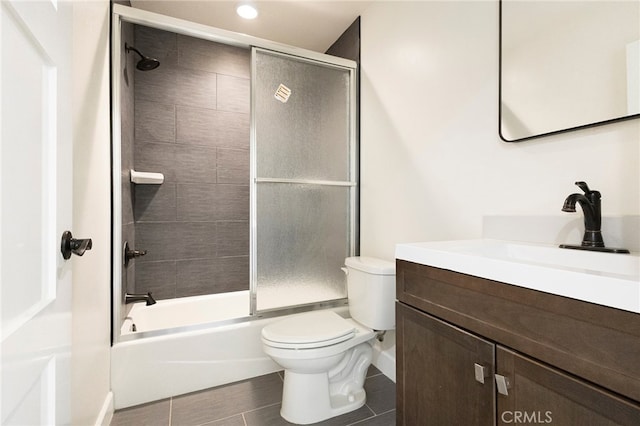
[(555, 132)]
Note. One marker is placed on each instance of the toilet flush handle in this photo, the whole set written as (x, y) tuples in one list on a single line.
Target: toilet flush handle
[(345, 270)]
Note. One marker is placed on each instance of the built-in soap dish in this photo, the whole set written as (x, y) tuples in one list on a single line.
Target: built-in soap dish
[(146, 178)]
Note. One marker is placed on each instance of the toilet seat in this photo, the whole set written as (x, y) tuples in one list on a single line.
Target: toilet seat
[(308, 331)]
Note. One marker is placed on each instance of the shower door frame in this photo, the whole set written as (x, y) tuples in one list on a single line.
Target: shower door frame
[(352, 183), (120, 14)]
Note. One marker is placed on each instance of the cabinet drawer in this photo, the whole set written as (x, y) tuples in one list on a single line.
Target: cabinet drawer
[(597, 343)]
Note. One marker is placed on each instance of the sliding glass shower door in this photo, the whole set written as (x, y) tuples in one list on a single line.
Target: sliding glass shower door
[(303, 196)]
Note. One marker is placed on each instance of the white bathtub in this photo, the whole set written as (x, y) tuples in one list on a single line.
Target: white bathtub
[(193, 354), (186, 311)]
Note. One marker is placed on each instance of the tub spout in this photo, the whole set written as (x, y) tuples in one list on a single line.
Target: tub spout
[(131, 298)]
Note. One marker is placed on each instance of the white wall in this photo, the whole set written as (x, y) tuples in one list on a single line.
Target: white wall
[(90, 386), (432, 164)]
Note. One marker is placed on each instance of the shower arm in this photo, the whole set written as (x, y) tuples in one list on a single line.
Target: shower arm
[(128, 49)]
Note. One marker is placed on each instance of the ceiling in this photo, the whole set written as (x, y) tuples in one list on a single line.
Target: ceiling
[(312, 24)]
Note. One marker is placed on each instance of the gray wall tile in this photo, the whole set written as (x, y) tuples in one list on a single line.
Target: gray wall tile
[(232, 238), (159, 278), (213, 57), (207, 202), (197, 126), (157, 158), (203, 153), (201, 126), (233, 166), (155, 122), (195, 240), (196, 164), (155, 202), (128, 273), (197, 202), (196, 277), (158, 85), (126, 159), (158, 238), (127, 190), (196, 88), (233, 273), (157, 44), (232, 202), (233, 129), (234, 94)]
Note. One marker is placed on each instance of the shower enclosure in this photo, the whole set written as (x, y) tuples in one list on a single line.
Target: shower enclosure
[(254, 193)]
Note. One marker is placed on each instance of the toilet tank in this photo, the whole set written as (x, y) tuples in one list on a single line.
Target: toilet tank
[(371, 287)]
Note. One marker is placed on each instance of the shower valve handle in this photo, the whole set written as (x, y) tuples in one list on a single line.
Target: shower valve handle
[(131, 254)]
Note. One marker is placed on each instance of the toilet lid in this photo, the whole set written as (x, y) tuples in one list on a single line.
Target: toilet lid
[(308, 330)]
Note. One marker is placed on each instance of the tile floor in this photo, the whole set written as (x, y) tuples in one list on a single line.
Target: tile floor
[(255, 402)]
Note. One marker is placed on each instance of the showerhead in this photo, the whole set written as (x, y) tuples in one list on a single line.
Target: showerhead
[(145, 63)]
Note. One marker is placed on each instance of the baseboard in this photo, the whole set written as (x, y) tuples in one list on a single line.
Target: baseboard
[(106, 413)]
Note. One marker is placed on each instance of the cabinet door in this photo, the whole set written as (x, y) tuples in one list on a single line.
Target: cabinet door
[(436, 373), (539, 394)]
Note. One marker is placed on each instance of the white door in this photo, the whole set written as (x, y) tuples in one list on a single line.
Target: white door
[(35, 201)]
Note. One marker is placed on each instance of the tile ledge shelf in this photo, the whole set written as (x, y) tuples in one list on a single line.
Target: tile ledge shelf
[(146, 178)]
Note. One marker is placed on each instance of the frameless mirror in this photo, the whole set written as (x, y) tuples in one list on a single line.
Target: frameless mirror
[(566, 65)]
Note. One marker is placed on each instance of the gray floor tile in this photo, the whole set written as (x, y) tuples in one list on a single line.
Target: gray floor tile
[(152, 414), (256, 402), (236, 420), (267, 416), (385, 419), (373, 371), (270, 416), (381, 393), (225, 401)]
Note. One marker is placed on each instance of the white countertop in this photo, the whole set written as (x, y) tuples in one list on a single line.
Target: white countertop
[(607, 279)]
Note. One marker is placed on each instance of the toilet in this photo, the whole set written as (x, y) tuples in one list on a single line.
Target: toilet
[(326, 356)]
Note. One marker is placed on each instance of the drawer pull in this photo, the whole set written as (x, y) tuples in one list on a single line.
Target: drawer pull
[(481, 373), (503, 384)]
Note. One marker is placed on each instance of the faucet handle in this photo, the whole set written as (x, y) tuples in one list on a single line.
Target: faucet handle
[(593, 196), (583, 186)]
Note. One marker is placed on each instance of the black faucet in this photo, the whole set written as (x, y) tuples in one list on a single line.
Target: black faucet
[(131, 298), (590, 203)]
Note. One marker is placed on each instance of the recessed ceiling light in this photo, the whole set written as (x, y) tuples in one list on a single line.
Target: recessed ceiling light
[(247, 11)]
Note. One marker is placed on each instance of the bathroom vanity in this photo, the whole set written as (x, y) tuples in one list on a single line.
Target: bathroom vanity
[(477, 351)]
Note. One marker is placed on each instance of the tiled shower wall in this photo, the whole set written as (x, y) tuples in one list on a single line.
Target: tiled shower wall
[(192, 125)]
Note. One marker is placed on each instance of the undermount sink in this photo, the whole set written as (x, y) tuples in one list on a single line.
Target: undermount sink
[(604, 278)]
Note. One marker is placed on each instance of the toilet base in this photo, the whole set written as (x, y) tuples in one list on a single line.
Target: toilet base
[(311, 398)]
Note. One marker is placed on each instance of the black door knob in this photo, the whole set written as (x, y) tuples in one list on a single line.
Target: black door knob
[(70, 245)]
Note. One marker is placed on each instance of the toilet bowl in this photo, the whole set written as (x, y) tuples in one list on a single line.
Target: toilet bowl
[(326, 356)]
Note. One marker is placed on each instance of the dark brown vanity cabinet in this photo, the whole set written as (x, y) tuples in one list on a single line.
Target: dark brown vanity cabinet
[(472, 351), (436, 362)]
